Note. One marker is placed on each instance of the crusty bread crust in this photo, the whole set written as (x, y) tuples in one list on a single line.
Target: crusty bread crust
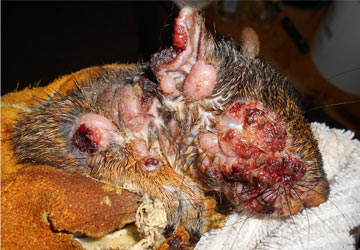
[(42, 207)]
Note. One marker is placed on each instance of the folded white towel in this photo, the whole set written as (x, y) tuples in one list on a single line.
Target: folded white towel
[(327, 227)]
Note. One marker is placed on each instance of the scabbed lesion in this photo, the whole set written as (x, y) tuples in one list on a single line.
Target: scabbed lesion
[(184, 68), (247, 136), (249, 159), (220, 120), (111, 128)]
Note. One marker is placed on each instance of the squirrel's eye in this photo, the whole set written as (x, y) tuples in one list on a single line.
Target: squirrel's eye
[(92, 133), (151, 164)]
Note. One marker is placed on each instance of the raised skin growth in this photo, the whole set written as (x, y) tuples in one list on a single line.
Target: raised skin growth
[(184, 66), (112, 129), (251, 158), (218, 119), (244, 134), (92, 133)]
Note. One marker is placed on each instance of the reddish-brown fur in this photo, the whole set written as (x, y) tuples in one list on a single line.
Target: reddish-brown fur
[(180, 178)]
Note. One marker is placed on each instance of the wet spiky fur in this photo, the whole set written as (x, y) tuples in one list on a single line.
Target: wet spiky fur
[(242, 78), (44, 136)]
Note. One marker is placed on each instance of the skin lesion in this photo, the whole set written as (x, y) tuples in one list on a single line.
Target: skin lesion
[(246, 150), (253, 171), (248, 144)]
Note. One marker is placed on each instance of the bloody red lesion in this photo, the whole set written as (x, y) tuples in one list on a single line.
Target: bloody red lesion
[(149, 93), (163, 58), (146, 101), (229, 135), (237, 173), (236, 109), (160, 60), (255, 164), (260, 124), (180, 36), (87, 140), (274, 136), (255, 117), (285, 170), (246, 150), (235, 144)]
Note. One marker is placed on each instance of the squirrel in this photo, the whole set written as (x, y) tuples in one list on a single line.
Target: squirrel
[(201, 116)]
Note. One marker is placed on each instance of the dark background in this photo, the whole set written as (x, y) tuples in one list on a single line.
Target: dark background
[(44, 40)]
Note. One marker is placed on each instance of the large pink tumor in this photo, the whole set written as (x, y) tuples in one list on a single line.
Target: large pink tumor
[(248, 158)]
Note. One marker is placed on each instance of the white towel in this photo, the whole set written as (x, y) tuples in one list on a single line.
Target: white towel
[(326, 227)]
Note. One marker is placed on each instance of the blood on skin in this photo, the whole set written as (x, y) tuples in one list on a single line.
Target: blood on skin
[(251, 162), (285, 170), (234, 144), (87, 140), (160, 60), (246, 150), (274, 137), (92, 133), (229, 135), (146, 101), (267, 131), (235, 110), (180, 35), (255, 117), (149, 92), (183, 64), (237, 173)]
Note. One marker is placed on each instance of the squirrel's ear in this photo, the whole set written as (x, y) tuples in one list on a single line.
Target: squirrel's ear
[(250, 44)]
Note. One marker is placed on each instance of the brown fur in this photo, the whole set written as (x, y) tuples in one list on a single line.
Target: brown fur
[(43, 136), (242, 77)]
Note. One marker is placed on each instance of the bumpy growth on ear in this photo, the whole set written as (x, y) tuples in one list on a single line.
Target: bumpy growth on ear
[(250, 42), (243, 133), (186, 67)]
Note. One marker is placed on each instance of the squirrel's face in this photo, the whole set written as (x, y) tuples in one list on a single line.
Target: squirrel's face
[(250, 138), (217, 115), (125, 122), (112, 129), (117, 113)]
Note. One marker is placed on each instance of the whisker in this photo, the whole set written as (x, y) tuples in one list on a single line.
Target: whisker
[(332, 105), (306, 212), (339, 210), (319, 218), (344, 72), (298, 232), (292, 219), (238, 232)]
